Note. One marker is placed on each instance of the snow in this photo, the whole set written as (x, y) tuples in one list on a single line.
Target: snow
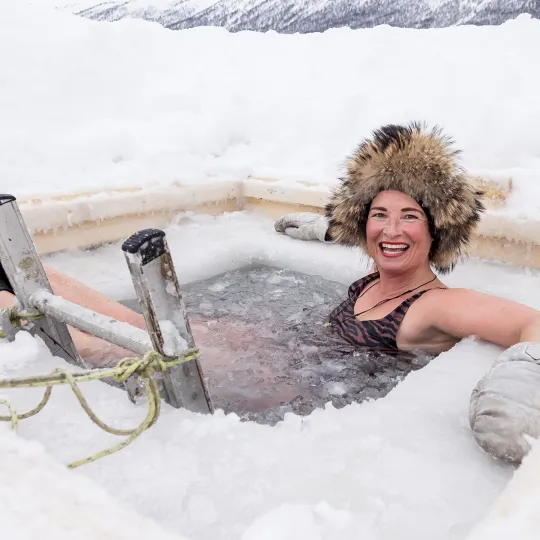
[(368, 470), (405, 462), (173, 342), (89, 106), (71, 506), (515, 512)]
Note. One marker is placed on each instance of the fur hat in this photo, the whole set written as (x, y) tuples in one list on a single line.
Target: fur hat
[(421, 164)]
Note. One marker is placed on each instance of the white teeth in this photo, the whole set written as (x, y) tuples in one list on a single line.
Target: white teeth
[(395, 246)]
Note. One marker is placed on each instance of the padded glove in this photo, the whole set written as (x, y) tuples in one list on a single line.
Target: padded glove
[(303, 226), (505, 404)]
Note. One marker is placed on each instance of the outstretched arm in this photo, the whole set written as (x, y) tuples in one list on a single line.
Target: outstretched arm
[(461, 313), (505, 404), (94, 351)]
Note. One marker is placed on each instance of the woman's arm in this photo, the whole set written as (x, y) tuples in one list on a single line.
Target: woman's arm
[(462, 312)]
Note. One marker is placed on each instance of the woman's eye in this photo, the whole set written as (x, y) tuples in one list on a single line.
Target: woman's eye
[(411, 216), (378, 214)]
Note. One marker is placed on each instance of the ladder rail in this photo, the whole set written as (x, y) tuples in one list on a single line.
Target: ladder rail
[(156, 285), (26, 275)]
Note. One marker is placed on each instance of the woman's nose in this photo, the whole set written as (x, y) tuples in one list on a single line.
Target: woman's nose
[(393, 227)]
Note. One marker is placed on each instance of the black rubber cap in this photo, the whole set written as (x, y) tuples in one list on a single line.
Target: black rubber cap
[(148, 243), (5, 198)]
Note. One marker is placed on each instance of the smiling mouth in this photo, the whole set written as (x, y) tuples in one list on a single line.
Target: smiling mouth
[(391, 249)]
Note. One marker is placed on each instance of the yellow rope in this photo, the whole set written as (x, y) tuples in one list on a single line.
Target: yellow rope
[(13, 414), (17, 317), (145, 367)]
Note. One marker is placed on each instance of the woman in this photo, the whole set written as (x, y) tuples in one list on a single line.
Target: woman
[(406, 203)]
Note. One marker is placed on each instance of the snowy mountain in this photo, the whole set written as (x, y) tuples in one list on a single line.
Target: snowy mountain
[(289, 16)]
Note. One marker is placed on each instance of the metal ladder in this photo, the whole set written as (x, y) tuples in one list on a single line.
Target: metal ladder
[(156, 285)]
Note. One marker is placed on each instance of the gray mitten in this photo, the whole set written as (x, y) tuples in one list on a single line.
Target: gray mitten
[(303, 226), (505, 404)]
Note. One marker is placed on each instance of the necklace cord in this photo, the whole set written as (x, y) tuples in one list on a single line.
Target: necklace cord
[(387, 300)]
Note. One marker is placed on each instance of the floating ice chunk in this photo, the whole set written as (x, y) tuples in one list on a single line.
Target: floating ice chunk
[(336, 388), (219, 286)]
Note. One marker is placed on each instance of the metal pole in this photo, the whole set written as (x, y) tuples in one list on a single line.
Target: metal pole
[(154, 278), (119, 333)]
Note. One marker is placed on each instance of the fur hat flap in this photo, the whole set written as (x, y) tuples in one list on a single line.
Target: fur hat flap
[(419, 163)]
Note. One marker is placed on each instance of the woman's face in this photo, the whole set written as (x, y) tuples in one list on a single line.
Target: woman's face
[(397, 232)]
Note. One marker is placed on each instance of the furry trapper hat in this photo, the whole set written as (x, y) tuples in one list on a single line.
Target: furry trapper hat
[(421, 164)]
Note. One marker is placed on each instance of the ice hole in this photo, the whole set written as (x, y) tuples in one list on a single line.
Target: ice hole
[(402, 463), (265, 350)]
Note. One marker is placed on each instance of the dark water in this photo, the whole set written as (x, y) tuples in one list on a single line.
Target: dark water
[(265, 351)]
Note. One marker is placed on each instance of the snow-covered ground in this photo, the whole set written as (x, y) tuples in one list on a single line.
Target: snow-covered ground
[(400, 467), (405, 466), (87, 105), (403, 463)]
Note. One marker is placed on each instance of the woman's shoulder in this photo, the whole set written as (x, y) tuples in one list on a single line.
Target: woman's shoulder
[(442, 298), (359, 285)]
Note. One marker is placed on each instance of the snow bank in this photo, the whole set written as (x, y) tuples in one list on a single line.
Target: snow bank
[(87, 106), (39, 497), (71, 506), (405, 462), (515, 513)]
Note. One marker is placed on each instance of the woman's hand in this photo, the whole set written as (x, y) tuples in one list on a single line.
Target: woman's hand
[(505, 404), (303, 226)]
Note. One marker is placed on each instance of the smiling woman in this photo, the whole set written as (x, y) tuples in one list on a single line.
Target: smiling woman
[(407, 203)]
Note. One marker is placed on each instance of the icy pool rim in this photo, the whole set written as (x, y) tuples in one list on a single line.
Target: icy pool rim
[(81, 220)]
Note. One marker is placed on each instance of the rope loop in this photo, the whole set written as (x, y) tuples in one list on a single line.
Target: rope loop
[(152, 362)]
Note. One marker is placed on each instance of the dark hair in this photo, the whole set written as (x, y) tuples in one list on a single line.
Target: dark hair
[(432, 230)]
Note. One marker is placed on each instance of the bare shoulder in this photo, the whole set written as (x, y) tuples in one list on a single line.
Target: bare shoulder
[(444, 297), (463, 312), (439, 303)]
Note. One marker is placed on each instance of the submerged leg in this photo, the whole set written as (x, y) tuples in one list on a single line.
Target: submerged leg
[(78, 293), (94, 351), (7, 299)]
